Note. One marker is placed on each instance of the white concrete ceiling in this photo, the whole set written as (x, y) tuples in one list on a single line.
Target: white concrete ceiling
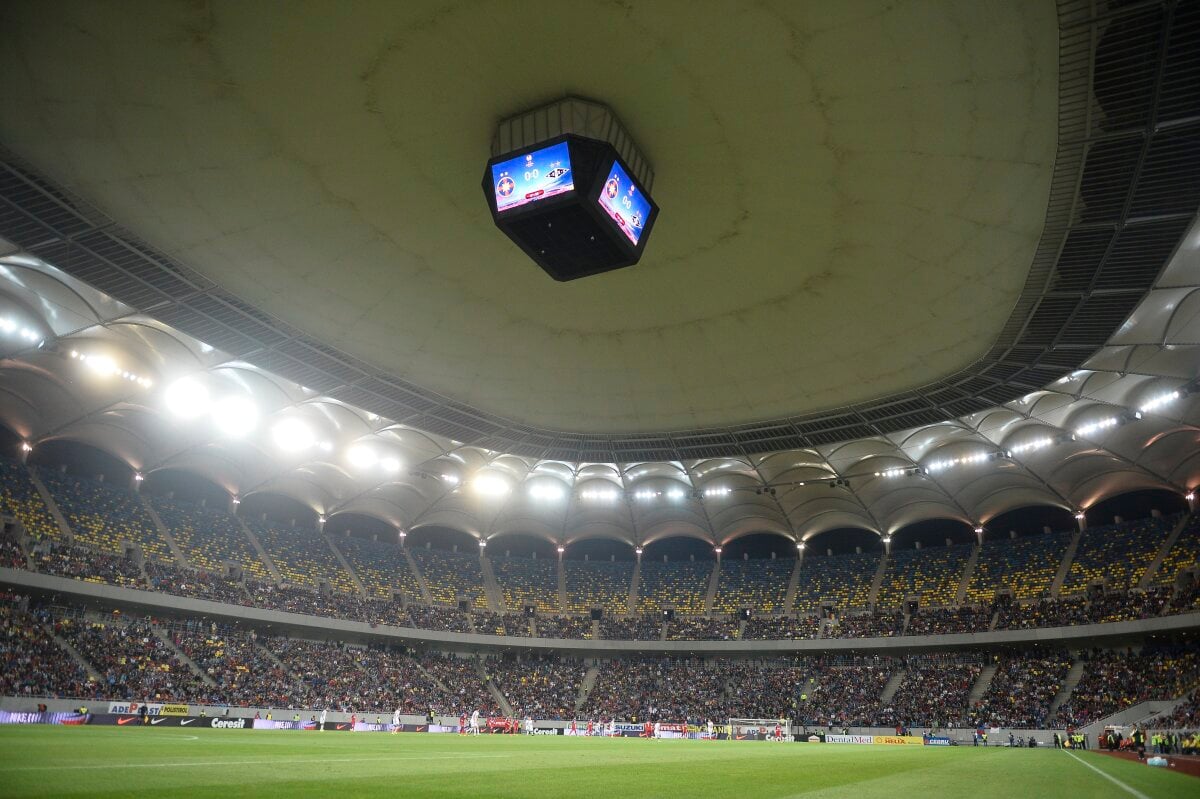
[(851, 192)]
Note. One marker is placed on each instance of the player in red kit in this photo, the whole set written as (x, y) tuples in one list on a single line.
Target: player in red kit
[(778, 732), (462, 724), (574, 729), (589, 728), (647, 730)]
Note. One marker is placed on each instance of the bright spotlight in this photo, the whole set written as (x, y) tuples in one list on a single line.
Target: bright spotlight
[(675, 494), (235, 415), (390, 465), (102, 365), (547, 491), (361, 456), (490, 485), (187, 398), (292, 435)]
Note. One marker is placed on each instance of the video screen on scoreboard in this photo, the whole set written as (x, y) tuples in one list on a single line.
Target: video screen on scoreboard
[(532, 177), (625, 203)]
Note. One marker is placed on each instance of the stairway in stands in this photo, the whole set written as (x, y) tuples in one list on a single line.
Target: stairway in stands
[(585, 687), (165, 637), (982, 683), (1064, 693)]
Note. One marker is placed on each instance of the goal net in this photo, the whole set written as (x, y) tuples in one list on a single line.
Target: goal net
[(759, 729)]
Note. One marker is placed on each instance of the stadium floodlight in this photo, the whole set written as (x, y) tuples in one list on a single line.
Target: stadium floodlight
[(675, 494), (887, 539), (27, 447), (717, 550), (562, 550), (1094, 427), (599, 494), (800, 545), (293, 435), (1189, 496), (138, 477), (548, 491), (187, 398), (1037, 443), (361, 456), (7, 325), (645, 494), (482, 543), (978, 529), (717, 491), (1157, 402), (235, 415), (490, 485), (638, 550), (390, 465), (450, 479)]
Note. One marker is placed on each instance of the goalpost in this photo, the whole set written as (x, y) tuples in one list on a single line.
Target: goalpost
[(759, 729)]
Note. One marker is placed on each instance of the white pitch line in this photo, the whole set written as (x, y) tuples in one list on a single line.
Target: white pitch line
[(1109, 777), (276, 761)]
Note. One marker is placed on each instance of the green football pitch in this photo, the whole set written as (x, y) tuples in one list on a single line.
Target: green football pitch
[(113, 761)]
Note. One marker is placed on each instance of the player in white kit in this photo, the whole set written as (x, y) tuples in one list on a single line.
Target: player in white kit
[(474, 722), (323, 712)]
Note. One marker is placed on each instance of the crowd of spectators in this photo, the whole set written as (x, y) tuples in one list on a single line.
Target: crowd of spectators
[(868, 625), (1185, 715), (1022, 690), (564, 627), (1042, 613), (302, 555), (841, 692), (244, 675), (381, 566), (543, 688), (781, 628), (666, 689), (941, 621), (646, 627), (762, 690), (31, 661), (488, 623), (934, 692), (701, 628), (11, 554), (1113, 681), (429, 617), (451, 575), (197, 584), (81, 563), (134, 663)]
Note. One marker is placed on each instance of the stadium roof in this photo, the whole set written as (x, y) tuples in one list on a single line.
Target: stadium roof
[(875, 256)]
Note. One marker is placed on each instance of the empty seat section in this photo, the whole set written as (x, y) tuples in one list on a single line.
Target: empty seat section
[(302, 556), (1026, 566), (1118, 554), (759, 584), (681, 585), (451, 574), (20, 499), (933, 574), (380, 566), (841, 580), (525, 581), (103, 516), (210, 538), (597, 585)]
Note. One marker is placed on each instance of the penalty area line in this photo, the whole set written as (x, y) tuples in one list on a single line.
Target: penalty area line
[(273, 761), (1109, 777)]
